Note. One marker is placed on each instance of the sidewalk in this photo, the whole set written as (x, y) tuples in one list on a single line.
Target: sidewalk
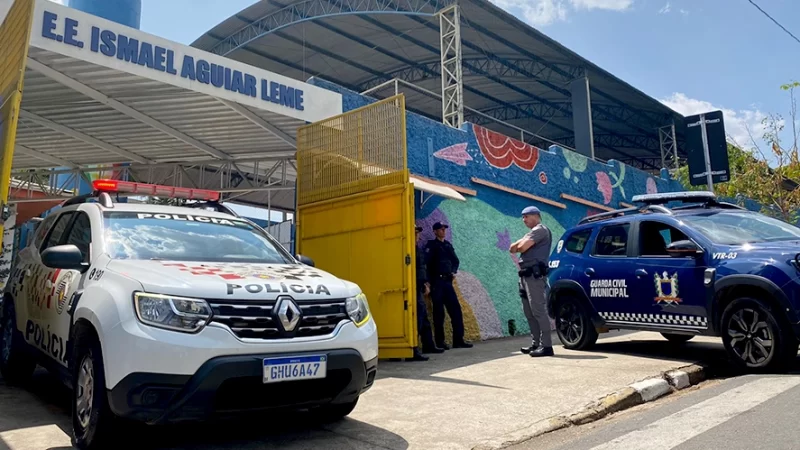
[(465, 397), (458, 400)]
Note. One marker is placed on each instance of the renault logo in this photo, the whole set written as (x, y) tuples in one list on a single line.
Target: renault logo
[(288, 313)]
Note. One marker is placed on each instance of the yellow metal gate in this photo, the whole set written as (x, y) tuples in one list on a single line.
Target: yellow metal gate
[(15, 34), (355, 212)]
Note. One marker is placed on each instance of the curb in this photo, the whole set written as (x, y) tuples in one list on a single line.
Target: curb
[(638, 393)]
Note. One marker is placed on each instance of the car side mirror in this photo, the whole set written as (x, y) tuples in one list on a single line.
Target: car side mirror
[(67, 257), (682, 249), (305, 260)]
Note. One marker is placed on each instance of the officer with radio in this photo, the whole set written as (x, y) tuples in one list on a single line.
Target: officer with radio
[(534, 250)]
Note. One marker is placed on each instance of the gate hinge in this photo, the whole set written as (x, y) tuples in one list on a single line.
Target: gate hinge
[(405, 305), (408, 260)]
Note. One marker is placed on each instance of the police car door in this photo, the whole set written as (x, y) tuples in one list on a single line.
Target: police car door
[(669, 289), (58, 285), (38, 289), (609, 272)]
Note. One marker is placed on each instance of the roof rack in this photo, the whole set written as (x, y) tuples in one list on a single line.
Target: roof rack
[(622, 212), (666, 197)]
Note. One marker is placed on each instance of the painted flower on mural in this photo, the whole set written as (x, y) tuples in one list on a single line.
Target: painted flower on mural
[(604, 186), (651, 186), (502, 151), (456, 154)]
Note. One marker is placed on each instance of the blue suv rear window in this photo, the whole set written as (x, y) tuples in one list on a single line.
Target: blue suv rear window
[(576, 243)]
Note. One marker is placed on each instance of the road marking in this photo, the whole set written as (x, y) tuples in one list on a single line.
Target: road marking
[(673, 430)]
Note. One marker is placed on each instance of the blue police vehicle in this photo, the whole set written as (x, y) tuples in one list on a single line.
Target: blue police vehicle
[(682, 264)]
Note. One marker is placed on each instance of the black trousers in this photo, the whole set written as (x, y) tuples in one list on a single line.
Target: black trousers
[(423, 324), (443, 295)]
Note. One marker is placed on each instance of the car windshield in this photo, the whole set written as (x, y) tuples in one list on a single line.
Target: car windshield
[(738, 228), (187, 237)]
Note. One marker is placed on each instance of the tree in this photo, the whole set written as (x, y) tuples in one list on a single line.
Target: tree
[(752, 175)]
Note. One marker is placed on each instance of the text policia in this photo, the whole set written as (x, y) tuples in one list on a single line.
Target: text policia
[(111, 44)]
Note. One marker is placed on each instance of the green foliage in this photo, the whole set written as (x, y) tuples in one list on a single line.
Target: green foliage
[(752, 175)]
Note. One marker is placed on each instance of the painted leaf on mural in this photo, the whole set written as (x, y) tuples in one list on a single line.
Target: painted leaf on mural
[(502, 151), (455, 154)]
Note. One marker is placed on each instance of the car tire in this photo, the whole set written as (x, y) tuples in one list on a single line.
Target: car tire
[(675, 338), (93, 423), (747, 326), (16, 363), (333, 412), (573, 324)]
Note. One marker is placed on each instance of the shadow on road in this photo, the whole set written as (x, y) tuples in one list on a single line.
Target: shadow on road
[(43, 406)]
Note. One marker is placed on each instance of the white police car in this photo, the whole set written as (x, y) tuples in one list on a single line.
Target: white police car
[(162, 314)]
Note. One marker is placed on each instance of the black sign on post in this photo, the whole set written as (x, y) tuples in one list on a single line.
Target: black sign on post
[(708, 149)]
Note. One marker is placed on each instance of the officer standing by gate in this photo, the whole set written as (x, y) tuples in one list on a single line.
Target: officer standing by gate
[(534, 249), (423, 325), (442, 265)]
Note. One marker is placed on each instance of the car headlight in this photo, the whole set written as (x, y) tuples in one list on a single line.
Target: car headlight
[(173, 313), (358, 309)]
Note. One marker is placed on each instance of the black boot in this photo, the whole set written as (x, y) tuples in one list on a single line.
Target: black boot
[(462, 344), (431, 348), (417, 356), (542, 351), (527, 350)]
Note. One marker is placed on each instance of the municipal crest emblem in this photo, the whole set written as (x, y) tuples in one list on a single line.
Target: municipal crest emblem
[(667, 288)]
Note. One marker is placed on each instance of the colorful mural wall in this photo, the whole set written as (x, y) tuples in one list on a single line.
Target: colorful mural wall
[(487, 164)]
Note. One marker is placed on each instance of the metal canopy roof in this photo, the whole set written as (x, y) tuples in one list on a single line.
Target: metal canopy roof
[(81, 109), (511, 71)]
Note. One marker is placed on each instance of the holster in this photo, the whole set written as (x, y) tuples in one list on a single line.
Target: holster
[(538, 270)]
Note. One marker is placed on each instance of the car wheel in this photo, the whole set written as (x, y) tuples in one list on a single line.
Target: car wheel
[(92, 419), (755, 338), (333, 412), (573, 324), (677, 338), (16, 364)]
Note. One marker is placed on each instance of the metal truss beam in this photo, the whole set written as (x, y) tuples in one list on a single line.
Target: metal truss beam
[(121, 107), (27, 115), (669, 147), (475, 66), (312, 9), (232, 178), (43, 156), (634, 141), (450, 69), (645, 164)]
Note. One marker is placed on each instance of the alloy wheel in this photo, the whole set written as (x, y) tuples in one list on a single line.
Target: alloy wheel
[(570, 323), (84, 397), (752, 338)]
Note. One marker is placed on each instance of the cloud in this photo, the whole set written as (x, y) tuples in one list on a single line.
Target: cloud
[(667, 8), (546, 12), (736, 122), (684, 12)]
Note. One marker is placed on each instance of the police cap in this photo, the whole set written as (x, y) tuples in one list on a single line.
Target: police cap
[(530, 210), (418, 228), (439, 225)]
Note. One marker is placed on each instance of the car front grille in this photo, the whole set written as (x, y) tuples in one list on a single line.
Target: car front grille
[(256, 320)]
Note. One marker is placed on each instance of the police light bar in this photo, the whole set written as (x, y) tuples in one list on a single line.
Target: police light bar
[(129, 187), (685, 196)]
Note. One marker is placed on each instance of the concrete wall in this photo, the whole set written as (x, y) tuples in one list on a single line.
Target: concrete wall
[(482, 229)]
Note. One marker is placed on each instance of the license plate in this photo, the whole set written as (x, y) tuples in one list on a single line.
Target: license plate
[(295, 368)]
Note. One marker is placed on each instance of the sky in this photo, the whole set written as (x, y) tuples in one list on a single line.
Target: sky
[(693, 55)]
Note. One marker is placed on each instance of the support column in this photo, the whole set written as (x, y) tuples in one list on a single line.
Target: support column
[(582, 116), (669, 147), (452, 82)]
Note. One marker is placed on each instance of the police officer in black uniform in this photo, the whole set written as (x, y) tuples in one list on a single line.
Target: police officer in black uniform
[(442, 265), (423, 324)]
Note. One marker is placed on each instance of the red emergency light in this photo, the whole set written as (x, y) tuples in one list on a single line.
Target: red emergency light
[(129, 187)]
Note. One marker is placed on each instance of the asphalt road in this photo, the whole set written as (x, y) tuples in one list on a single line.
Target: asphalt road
[(738, 413)]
